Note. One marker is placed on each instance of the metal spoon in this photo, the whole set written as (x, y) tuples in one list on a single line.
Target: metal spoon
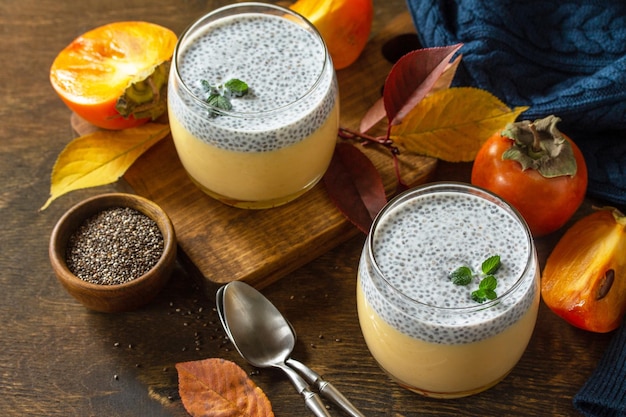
[(261, 340), (263, 337)]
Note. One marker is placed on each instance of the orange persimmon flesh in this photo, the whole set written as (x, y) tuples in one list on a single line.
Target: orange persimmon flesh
[(584, 280), (95, 69)]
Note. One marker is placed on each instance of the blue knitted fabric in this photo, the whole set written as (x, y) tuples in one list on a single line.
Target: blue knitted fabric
[(561, 57), (604, 394)]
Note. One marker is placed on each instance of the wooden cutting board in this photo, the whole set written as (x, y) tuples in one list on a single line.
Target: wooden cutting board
[(262, 246)]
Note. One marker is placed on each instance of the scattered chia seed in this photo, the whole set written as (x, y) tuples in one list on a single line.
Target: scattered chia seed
[(114, 246)]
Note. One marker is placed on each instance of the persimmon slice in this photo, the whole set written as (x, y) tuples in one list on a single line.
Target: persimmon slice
[(114, 76), (584, 278)]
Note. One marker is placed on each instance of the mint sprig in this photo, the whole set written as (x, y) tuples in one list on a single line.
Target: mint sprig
[(219, 96), (487, 283), (219, 101), (486, 289), (462, 276)]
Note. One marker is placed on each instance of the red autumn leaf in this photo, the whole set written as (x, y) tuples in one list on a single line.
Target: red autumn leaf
[(375, 114), (352, 181), (355, 186), (412, 78), (220, 388)]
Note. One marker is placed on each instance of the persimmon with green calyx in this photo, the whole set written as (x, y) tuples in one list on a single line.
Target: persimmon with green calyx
[(115, 76), (345, 26), (535, 168), (584, 280)]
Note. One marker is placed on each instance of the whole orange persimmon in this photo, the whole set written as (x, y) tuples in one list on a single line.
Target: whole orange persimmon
[(345, 26), (584, 280), (535, 168), (115, 76)]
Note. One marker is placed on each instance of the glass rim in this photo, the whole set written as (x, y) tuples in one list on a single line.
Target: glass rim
[(463, 188), (258, 8)]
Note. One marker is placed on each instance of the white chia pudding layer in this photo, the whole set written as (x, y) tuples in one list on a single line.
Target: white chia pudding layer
[(418, 243), (292, 82)]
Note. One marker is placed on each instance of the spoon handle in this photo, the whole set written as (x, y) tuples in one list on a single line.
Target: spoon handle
[(314, 403), (311, 399), (325, 388)]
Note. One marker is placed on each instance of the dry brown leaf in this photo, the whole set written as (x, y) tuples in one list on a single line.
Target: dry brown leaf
[(216, 387), (452, 124), (101, 157)]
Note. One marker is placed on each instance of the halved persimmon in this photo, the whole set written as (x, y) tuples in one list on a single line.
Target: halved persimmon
[(115, 76), (584, 280)]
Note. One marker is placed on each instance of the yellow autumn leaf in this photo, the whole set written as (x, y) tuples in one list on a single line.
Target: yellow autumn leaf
[(101, 157), (452, 124)]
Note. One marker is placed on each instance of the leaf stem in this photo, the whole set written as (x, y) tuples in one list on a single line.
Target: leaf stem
[(365, 138), (385, 141), (402, 186)]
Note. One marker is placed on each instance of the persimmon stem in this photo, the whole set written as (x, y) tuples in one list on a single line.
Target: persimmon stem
[(536, 146)]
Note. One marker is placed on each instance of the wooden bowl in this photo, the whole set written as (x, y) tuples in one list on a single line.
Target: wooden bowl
[(115, 297)]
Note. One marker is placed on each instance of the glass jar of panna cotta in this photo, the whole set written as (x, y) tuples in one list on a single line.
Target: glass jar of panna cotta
[(277, 140), (427, 333)]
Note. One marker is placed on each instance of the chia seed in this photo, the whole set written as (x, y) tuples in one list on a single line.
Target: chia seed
[(114, 246), (282, 63)]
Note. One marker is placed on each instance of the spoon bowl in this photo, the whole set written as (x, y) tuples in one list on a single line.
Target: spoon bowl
[(264, 337), (261, 338)]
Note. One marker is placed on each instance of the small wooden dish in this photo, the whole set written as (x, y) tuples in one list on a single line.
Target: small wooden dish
[(118, 297)]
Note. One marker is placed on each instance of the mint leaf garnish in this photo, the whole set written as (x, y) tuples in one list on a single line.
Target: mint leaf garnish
[(236, 88), (487, 284), (461, 276), (219, 102), (491, 265), (219, 96), (486, 289), (479, 296), (208, 88)]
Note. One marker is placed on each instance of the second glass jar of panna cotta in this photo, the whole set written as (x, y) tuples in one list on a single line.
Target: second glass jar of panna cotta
[(431, 317), (269, 145)]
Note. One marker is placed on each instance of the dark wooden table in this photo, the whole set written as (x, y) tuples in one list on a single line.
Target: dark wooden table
[(58, 359)]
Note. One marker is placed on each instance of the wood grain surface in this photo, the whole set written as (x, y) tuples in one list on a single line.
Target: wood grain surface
[(58, 359)]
